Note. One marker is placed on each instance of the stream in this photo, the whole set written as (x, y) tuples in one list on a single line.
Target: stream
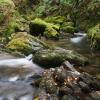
[(79, 42), (15, 81)]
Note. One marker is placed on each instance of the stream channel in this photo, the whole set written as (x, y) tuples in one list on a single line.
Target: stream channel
[(15, 81)]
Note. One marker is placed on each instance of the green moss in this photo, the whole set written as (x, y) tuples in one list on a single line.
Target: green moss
[(68, 27), (42, 23), (19, 44), (10, 28), (55, 57), (50, 33), (55, 20), (6, 18), (29, 37), (94, 35), (68, 24), (39, 26), (24, 43), (1, 17), (6, 2)]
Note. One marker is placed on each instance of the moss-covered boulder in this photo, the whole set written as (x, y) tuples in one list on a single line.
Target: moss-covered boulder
[(94, 35), (68, 27), (54, 57), (50, 33), (39, 26), (25, 44)]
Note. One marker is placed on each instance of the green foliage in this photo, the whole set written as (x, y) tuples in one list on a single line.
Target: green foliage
[(55, 19), (68, 24), (6, 18), (79, 11), (9, 30), (1, 17), (40, 10), (84, 25), (19, 44), (94, 35), (39, 26), (50, 33), (84, 13), (6, 1), (68, 27)]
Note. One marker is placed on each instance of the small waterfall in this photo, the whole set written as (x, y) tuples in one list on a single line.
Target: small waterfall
[(78, 37)]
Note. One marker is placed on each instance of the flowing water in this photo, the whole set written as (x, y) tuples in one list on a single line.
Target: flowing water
[(14, 80)]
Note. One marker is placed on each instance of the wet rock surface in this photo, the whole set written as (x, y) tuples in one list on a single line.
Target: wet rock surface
[(54, 57), (34, 83), (24, 43), (66, 83)]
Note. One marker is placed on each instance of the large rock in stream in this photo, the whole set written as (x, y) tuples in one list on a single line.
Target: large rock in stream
[(54, 57), (25, 44), (66, 83)]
